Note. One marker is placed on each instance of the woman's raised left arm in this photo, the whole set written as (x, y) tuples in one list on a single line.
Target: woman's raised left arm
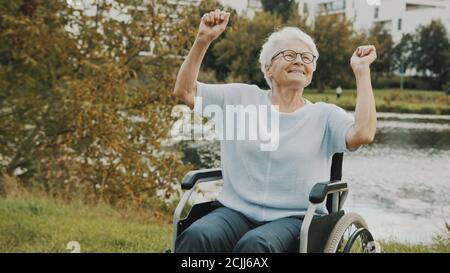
[(364, 128)]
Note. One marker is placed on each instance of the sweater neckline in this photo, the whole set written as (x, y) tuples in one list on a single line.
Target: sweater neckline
[(294, 113)]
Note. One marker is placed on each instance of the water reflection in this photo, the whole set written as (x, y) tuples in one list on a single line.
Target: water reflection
[(400, 138), (400, 183)]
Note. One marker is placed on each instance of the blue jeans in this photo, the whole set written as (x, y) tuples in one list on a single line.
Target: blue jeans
[(225, 230)]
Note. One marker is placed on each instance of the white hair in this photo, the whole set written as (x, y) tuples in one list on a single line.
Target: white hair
[(287, 33)]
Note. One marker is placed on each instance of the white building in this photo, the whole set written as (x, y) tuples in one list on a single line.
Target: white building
[(396, 16), (242, 7)]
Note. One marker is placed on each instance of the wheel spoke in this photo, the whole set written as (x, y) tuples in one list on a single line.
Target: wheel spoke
[(350, 234), (360, 243)]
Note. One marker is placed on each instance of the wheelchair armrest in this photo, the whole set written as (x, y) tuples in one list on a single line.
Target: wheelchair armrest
[(320, 190), (192, 177)]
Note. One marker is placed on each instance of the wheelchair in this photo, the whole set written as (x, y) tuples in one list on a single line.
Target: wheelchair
[(336, 232)]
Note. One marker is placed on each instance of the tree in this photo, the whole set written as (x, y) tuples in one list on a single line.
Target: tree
[(336, 42), (296, 20), (384, 44), (240, 50), (401, 56), (83, 111), (431, 52), (191, 17), (282, 8)]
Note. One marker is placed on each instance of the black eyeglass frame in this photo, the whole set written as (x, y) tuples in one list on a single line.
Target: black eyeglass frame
[(297, 53)]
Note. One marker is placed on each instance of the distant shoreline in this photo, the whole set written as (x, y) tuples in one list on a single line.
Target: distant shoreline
[(390, 100)]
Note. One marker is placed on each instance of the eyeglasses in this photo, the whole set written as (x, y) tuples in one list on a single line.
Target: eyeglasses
[(291, 55)]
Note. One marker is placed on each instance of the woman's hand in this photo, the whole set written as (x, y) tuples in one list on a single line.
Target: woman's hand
[(363, 57), (212, 25)]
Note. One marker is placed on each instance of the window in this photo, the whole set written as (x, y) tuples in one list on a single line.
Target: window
[(399, 24), (254, 4), (417, 6), (385, 25), (332, 6), (376, 13), (338, 5)]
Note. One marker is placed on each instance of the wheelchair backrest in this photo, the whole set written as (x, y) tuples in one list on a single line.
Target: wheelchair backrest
[(335, 174)]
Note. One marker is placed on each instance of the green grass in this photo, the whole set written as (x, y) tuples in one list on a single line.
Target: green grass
[(390, 100), (37, 224), (44, 225), (439, 245)]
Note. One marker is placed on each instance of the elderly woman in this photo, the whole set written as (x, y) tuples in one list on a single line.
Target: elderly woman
[(265, 192)]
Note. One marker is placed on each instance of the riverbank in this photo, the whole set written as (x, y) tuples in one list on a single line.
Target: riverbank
[(41, 224), (390, 100)]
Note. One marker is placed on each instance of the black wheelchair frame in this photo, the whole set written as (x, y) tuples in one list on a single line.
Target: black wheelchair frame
[(327, 233)]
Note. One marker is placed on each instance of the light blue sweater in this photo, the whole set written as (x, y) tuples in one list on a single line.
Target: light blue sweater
[(271, 184)]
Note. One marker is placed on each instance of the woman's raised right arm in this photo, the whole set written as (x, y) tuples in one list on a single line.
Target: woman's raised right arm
[(211, 26)]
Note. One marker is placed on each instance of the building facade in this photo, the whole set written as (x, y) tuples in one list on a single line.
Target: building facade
[(395, 16)]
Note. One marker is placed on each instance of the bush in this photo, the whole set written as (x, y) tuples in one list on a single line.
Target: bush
[(207, 76), (413, 82)]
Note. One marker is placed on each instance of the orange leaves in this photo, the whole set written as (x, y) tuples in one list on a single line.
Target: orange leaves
[(98, 129)]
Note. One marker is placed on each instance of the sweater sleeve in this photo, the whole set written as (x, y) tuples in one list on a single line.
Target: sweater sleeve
[(338, 124)]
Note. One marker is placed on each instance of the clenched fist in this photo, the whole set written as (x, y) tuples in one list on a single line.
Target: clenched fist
[(212, 25), (363, 57)]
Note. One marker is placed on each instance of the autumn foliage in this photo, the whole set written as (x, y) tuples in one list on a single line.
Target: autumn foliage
[(85, 98)]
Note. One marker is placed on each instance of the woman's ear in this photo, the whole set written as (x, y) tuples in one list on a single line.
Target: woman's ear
[(268, 70)]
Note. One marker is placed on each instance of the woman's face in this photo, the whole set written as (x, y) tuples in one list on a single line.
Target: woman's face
[(294, 74)]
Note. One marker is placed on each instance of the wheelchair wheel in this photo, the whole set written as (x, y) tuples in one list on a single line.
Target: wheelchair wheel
[(350, 234)]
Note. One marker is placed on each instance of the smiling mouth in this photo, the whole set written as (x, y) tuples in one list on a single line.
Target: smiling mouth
[(297, 71)]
